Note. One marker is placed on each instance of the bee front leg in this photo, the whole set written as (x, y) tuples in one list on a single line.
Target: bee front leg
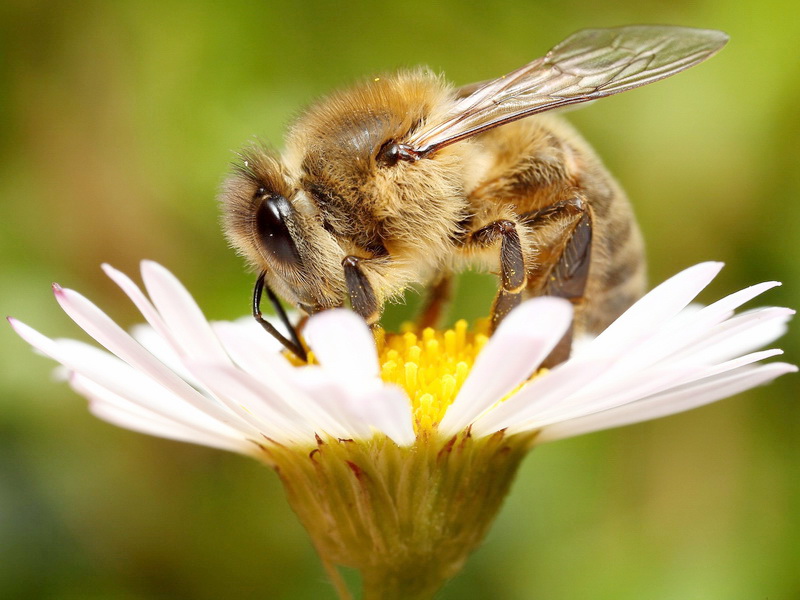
[(362, 295), (512, 264)]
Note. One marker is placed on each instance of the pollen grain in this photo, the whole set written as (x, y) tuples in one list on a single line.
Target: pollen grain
[(431, 365)]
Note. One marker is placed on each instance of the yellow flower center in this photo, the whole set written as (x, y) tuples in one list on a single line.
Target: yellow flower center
[(430, 365)]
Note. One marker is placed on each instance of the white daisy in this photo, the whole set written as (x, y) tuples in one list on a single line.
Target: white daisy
[(227, 385), (404, 425)]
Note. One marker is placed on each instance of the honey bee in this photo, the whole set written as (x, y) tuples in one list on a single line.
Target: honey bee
[(404, 179)]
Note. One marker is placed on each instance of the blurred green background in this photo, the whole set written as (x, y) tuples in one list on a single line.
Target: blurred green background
[(118, 123)]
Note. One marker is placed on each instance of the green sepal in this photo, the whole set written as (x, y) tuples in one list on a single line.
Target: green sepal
[(406, 517)]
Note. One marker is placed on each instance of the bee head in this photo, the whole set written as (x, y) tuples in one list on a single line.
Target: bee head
[(274, 226)]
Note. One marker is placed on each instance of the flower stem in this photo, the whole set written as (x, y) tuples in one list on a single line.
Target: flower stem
[(398, 586), (336, 579)]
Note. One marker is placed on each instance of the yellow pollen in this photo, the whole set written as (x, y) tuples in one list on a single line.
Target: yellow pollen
[(430, 365)]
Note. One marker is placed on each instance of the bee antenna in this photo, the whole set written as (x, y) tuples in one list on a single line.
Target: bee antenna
[(292, 345)]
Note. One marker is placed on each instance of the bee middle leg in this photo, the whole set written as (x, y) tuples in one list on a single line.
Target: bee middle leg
[(438, 295), (513, 274)]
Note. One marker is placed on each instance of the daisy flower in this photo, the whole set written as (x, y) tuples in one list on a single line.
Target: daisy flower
[(397, 449)]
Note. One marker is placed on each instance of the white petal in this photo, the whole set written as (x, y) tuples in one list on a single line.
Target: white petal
[(181, 314), (654, 309), (382, 408), (668, 403), (97, 324), (141, 302), (735, 363), (250, 325), (543, 392), (156, 336), (632, 390), (723, 308), (739, 334), (595, 398), (162, 350), (116, 410), (693, 323), (271, 369), (696, 345), (270, 414), (523, 340), (344, 347), (251, 350), (119, 378), (336, 399), (226, 386), (388, 410), (702, 337)]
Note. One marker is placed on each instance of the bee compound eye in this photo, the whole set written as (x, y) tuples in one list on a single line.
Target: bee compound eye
[(272, 230)]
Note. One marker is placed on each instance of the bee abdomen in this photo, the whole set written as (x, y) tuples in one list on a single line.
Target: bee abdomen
[(619, 272)]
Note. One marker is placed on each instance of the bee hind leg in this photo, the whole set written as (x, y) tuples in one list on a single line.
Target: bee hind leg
[(569, 275), (512, 265)]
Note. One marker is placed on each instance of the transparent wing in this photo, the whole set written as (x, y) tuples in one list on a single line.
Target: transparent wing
[(589, 64)]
